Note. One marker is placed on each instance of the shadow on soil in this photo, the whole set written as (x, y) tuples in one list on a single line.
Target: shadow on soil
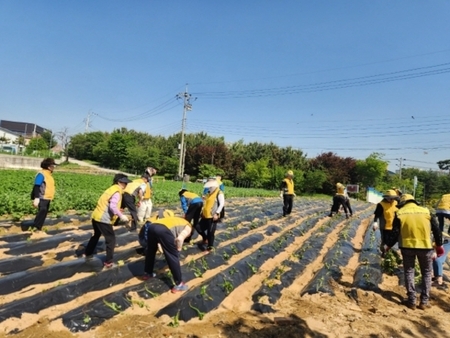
[(289, 327)]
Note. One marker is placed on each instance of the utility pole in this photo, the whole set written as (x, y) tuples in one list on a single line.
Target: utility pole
[(87, 122), (400, 165), (186, 107)]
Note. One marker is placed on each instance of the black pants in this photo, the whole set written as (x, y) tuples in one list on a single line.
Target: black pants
[(193, 216), (128, 201), (39, 220), (441, 219), (207, 230), (159, 233), (338, 201), (287, 204), (110, 239), (349, 207)]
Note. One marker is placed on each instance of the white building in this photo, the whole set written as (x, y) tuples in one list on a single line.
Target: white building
[(9, 140)]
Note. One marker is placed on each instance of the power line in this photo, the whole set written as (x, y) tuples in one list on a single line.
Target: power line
[(330, 85), (163, 107), (324, 70)]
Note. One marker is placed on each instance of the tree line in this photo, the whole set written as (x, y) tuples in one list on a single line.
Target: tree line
[(254, 164)]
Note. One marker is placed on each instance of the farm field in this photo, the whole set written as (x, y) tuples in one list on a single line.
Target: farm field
[(79, 192), (305, 275)]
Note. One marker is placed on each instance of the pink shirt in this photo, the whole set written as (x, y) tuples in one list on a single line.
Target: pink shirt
[(113, 204)]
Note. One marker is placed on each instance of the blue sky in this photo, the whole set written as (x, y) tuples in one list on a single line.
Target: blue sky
[(351, 77)]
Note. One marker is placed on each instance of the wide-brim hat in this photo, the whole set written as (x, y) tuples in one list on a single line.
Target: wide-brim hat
[(390, 194), (211, 184), (406, 198), (124, 180)]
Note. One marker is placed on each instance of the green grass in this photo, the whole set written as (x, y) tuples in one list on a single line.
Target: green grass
[(80, 191)]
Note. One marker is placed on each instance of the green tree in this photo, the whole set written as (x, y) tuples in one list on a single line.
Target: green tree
[(314, 179), (82, 145), (337, 169), (372, 170), (444, 165), (49, 138), (208, 170), (257, 173), (36, 144)]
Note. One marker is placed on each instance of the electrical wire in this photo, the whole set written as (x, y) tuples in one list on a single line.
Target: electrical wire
[(324, 70), (330, 85)]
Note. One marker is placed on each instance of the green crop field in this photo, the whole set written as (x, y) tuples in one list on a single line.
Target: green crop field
[(79, 192)]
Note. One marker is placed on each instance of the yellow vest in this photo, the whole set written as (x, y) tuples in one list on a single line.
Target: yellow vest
[(189, 196), (148, 192), (289, 186), (210, 202), (171, 222), (131, 187), (444, 202), (389, 210), (415, 227), (101, 212), (49, 193)]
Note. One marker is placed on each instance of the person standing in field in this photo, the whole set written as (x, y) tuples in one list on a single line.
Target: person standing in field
[(134, 193), (412, 228), (144, 210), (171, 232), (443, 211), (217, 178), (287, 192), (384, 216), (104, 217), (192, 205), (43, 191), (211, 215)]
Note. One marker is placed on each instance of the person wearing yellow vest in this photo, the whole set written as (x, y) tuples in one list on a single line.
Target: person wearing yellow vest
[(211, 214), (192, 205), (132, 194), (443, 211), (287, 192), (145, 205), (104, 217), (384, 216), (43, 191), (339, 199), (412, 228), (170, 231)]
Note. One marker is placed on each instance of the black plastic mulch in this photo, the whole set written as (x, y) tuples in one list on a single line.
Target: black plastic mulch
[(368, 274), (338, 256)]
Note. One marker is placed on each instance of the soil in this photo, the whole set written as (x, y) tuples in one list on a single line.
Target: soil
[(349, 312)]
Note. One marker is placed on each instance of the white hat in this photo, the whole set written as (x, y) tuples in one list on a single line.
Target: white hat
[(211, 184)]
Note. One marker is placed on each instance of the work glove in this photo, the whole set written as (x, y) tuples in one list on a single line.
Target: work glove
[(124, 218), (386, 248), (440, 251), (36, 202), (281, 195), (375, 226)]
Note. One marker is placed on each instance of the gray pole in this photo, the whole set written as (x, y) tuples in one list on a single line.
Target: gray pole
[(186, 106)]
